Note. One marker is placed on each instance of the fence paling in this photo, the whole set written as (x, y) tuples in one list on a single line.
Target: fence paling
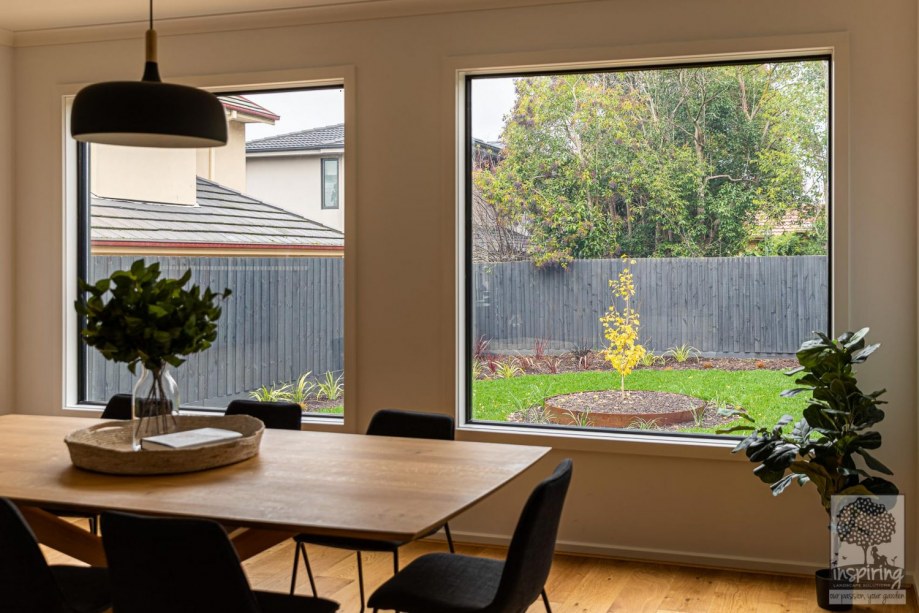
[(728, 306)]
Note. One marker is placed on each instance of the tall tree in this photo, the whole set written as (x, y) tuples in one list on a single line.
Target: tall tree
[(674, 162)]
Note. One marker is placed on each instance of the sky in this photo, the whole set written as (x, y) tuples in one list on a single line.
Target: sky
[(492, 99)]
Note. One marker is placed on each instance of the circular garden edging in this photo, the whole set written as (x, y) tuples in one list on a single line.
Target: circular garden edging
[(615, 409)]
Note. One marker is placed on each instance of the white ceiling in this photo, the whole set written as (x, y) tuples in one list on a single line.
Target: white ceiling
[(27, 15)]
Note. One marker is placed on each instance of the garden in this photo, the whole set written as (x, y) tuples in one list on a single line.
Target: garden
[(323, 395), (625, 385), (517, 388)]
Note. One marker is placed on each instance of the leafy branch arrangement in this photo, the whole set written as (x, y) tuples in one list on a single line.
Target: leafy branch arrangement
[(821, 447), (146, 319)]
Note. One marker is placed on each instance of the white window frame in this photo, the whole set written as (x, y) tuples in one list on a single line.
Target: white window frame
[(455, 71), (333, 76)]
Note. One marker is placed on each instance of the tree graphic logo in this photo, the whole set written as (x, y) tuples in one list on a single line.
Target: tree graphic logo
[(867, 549), (866, 523)]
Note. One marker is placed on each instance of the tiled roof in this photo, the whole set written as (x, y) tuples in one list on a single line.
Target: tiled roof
[(327, 137), (244, 105), (223, 216)]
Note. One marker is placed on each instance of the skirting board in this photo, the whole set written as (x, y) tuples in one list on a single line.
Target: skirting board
[(663, 556)]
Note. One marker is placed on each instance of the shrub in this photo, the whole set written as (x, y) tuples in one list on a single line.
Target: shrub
[(684, 352), (331, 388)]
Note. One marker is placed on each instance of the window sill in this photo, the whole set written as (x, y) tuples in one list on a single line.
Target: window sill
[(311, 422), (604, 442)]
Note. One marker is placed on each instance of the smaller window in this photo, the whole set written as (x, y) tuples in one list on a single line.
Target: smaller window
[(330, 183)]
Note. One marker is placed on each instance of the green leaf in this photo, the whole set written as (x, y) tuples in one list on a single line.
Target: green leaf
[(873, 463)]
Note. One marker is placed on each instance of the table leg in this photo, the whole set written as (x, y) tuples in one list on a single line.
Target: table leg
[(64, 536), (250, 542)]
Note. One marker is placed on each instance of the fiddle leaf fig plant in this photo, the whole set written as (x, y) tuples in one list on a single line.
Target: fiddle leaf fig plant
[(147, 319), (822, 447)]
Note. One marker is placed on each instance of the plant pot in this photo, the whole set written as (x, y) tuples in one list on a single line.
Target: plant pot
[(155, 403), (826, 583)]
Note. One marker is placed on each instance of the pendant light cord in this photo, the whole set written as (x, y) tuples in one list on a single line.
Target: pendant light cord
[(151, 71)]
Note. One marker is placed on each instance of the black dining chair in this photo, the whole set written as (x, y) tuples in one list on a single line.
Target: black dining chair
[(277, 415), (117, 407), (29, 585), (385, 422), (464, 584), (185, 566)]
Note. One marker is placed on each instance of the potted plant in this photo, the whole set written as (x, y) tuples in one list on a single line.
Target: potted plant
[(136, 317), (822, 447)]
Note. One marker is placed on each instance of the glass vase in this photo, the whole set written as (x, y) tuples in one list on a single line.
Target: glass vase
[(155, 404)]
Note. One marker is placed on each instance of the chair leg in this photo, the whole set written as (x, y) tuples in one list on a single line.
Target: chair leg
[(360, 579), (93, 526), (545, 600), (298, 548), (293, 576), (449, 538), (395, 561)]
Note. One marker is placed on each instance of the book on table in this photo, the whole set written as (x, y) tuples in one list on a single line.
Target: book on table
[(189, 439)]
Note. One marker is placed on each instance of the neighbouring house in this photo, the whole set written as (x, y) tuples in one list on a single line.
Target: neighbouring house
[(195, 201), (302, 172), (493, 239), (222, 222)]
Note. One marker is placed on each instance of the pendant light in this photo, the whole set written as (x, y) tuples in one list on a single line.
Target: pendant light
[(148, 113)]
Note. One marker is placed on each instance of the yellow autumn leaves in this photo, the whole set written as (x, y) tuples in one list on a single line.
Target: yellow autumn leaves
[(620, 327)]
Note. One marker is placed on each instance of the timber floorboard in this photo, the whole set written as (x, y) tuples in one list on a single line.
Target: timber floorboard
[(576, 584)]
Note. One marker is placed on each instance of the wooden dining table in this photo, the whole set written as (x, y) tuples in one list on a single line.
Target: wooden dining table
[(315, 482)]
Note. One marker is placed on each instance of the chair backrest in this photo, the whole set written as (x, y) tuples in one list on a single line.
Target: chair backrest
[(411, 424), (118, 407), (529, 557), (178, 565), (26, 582), (278, 415)]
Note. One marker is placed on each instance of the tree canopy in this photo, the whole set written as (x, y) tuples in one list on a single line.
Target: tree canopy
[(666, 162)]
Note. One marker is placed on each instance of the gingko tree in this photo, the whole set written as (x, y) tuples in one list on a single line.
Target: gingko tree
[(620, 327)]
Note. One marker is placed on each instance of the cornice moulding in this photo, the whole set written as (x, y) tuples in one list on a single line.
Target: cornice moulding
[(255, 20)]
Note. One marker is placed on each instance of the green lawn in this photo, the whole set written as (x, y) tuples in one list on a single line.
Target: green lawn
[(757, 391)]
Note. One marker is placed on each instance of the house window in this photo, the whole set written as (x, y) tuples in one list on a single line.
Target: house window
[(644, 246), (235, 216), (330, 183)]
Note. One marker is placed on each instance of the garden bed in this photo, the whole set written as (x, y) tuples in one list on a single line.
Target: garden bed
[(616, 409), (521, 398)]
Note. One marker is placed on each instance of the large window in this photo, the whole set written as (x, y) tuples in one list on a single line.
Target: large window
[(236, 217), (644, 246)]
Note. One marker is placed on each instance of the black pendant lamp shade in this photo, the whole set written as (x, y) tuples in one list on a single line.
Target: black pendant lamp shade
[(148, 113)]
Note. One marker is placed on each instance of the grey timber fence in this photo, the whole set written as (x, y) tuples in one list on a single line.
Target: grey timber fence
[(285, 317), (744, 306)]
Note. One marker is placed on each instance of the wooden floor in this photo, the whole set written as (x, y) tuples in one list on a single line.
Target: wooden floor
[(576, 584)]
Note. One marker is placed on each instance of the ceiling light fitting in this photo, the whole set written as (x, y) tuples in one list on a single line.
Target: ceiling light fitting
[(148, 113)]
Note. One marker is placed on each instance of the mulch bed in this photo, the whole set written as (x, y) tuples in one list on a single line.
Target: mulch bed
[(319, 406), (634, 401), (568, 362)]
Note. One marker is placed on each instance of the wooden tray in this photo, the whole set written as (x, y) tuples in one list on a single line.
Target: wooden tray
[(106, 447)]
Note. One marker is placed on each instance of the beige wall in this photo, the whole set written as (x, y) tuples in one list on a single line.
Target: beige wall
[(7, 234), (295, 183), (638, 499), (226, 165), (144, 173)]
